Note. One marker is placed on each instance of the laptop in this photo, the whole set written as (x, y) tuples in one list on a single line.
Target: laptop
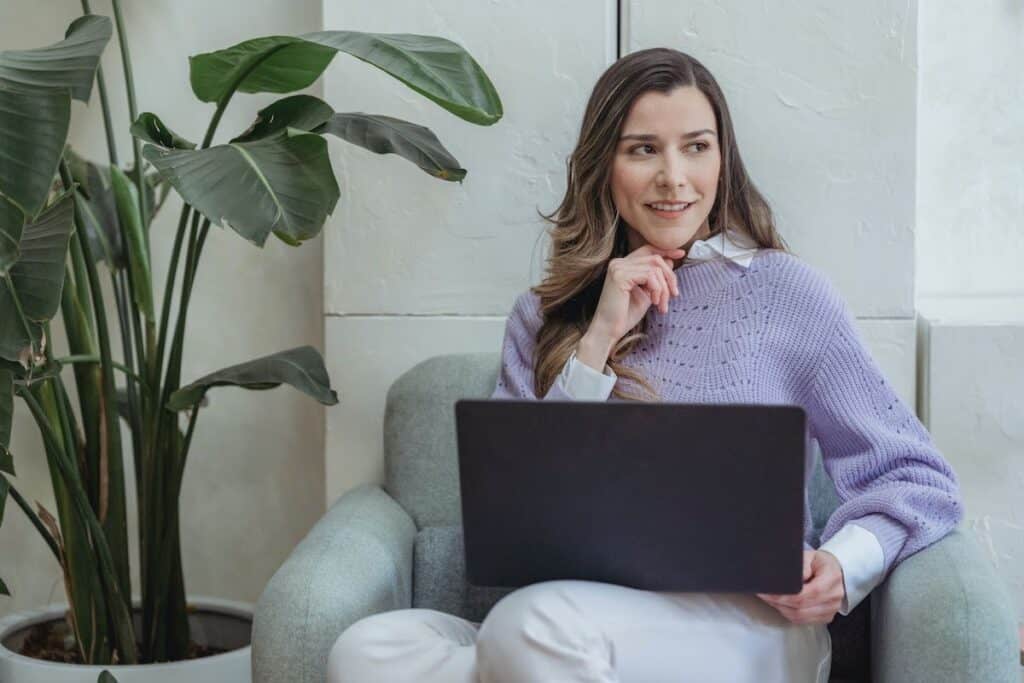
[(657, 496)]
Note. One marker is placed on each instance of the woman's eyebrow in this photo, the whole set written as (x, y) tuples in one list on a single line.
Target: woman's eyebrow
[(648, 136)]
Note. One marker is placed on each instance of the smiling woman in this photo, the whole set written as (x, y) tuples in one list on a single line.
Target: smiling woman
[(666, 269)]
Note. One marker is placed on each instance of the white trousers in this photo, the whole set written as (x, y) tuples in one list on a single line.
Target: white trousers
[(587, 631)]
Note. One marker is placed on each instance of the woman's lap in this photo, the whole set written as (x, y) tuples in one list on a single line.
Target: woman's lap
[(589, 631)]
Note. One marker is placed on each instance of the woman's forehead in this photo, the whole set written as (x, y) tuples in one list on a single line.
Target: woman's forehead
[(674, 114)]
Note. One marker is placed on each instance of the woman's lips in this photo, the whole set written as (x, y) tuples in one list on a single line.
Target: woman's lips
[(668, 214)]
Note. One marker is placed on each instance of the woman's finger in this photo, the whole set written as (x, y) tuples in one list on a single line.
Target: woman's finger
[(667, 291), (636, 275), (658, 284), (671, 275)]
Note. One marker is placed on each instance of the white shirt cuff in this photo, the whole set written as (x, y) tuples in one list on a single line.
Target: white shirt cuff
[(861, 557), (584, 383)]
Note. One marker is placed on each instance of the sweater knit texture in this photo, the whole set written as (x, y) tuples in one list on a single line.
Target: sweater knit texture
[(780, 333)]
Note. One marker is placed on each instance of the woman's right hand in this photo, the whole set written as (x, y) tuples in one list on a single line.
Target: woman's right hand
[(632, 284)]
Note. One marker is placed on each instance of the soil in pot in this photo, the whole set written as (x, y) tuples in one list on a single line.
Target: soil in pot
[(54, 641)]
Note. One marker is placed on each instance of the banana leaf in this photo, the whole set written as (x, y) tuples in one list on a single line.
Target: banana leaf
[(97, 206), (301, 367), (70, 64), (149, 128), (36, 87), (6, 420), (282, 183), (379, 134), (12, 222), (33, 125), (438, 69), (4, 487), (388, 135), (127, 198), (30, 293)]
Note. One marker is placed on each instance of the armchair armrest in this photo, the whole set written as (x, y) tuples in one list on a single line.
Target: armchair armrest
[(944, 614), (356, 561)]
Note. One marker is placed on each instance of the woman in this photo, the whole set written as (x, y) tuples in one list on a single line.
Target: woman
[(667, 274)]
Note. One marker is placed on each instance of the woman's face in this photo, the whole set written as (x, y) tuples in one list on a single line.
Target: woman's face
[(668, 152)]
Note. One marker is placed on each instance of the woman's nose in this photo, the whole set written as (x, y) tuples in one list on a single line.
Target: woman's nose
[(672, 172)]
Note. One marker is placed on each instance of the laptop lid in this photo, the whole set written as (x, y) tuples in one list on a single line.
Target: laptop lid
[(658, 496)]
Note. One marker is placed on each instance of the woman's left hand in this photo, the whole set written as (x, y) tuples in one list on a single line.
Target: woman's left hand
[(822, 594)]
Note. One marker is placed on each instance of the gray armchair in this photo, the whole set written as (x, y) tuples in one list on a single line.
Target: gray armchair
[(943, 614)]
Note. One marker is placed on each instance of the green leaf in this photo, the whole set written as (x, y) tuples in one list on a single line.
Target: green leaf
[(6, 420), (380, 134), (387, 135), (301, 367), (36, 87), (97, 208), (36, 279), (150, 128), (12, 222), (3, 588), (438, 69), (304, 112), (69, 64), (157, 189), (4, 487), (7, 461), (106, 677), (282, 183), (127, 197), (33, 126)]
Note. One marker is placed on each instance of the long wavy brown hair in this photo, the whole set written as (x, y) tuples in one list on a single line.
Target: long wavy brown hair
[(587, 230)]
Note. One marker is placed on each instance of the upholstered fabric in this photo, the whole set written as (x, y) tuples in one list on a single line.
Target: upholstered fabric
[(943, 614)]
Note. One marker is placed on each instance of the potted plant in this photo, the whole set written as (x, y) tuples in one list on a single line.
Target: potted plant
[(65, 222)]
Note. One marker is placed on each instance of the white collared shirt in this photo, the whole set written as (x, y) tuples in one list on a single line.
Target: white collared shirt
[(858, 551)]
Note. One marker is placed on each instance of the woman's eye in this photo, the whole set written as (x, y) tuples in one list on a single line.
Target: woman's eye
[(701, 146)]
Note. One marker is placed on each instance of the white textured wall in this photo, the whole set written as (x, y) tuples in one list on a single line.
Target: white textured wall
[(822, 96), (415, 266), (254, 481), (970, 243), (823, 100), (970, 187), (972, 381)]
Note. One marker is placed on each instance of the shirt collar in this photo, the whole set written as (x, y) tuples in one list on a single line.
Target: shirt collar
[(738, 247)]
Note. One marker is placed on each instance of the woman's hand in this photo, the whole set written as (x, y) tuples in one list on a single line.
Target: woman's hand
[(822, 594), (633, 283)]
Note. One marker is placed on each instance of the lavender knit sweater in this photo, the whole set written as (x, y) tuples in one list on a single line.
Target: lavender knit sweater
[(780, 333)]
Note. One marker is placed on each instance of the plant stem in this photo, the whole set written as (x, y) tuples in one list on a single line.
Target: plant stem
[(134, 415), (129, 82), (119, 606), (84, 358), (134, 317), (34, 519), (102, 87), (116, 526)]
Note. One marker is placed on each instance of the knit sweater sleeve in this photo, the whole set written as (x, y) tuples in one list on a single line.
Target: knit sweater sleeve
[(889, 475), (516, 377)]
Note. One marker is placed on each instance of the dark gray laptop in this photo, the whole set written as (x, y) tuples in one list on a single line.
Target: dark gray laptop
[(658, 496)]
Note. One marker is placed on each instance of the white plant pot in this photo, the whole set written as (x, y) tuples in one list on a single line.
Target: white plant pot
[(217, 623)]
